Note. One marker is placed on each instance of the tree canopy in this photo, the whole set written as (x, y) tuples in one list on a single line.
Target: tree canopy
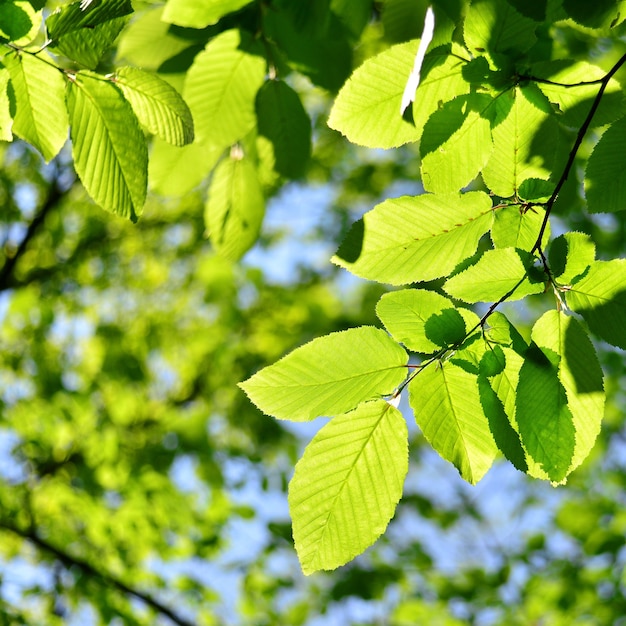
[(162, 162)]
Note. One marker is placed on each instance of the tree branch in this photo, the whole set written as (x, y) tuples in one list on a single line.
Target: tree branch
[(71, 561)]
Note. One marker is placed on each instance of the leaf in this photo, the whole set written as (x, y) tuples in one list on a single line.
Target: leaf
[(456, 143), (283, 121), (599, 14), (605, 186), (496, 274), (347, 484), (574, 99), (411, 239), (174, 171), (600, 297), (514, 227), (560, 397), (115, 175), (19, 22), (200, 13), (329, 375), (235, 207), (81, 14), (87, 46), (157, 105), (495, 27), (367, 108), (570, 256), (446, 403), (524, 135), (402, 19), (221, 86), (40, 113), (423, 321), (6, 107)]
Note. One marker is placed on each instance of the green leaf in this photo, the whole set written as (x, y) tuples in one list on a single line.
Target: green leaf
[(412, 239), (283, 122), (115, 175), (329, 375), (495, 27), (536, 10), (200, 13), (6, 107), (605, 184), (347, 484), (221, 86), (174, 171), (87, 46), (402, 20), (19, 22), (560, 397), (157, 105), (600, 297), (235, 207), (496, 273), (40, 113), (423, 321), (81, 14), (598, 14), (525, 135), (574, 99), (456, 143), (367, 108), (570, 256), (536, 190), (514, 227), (446, 403), (442, 80)]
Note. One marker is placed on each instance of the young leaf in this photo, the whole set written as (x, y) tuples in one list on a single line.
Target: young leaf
[(235, 207), (423, 321), (329, 375), (116, 174), (456, 143), (605, 186), (174, 171), (496, 274), (283, 122), (200, 13), (446, 403), (570, 256), (525, 135), (517, 228), (6, 117), (566, 84), (600, 297), (347, 484), (40, 113), (494, 26), (221, 86), (411, 239), (157, 105), (80, 14), (367, 107)]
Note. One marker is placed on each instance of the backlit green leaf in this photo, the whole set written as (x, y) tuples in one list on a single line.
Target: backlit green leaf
[(116, 174), (199, 13), (423, 321), (235, 207), (283, 122), (570, 256), (221, 86), (605, 184), (600, 297), (40, 113), (446, 403), (514, 227), (6, 118), (157, 105), (367, 109), (496, 274), (524, 135), (411, 239), (456, 143), (329, 375), (347, 484), (19, 22), (80, 14)]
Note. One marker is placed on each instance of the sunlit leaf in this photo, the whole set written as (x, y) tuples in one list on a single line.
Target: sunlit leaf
[(199, 13), (6, 118), (571, 255), (80, 14), (515, 227)]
